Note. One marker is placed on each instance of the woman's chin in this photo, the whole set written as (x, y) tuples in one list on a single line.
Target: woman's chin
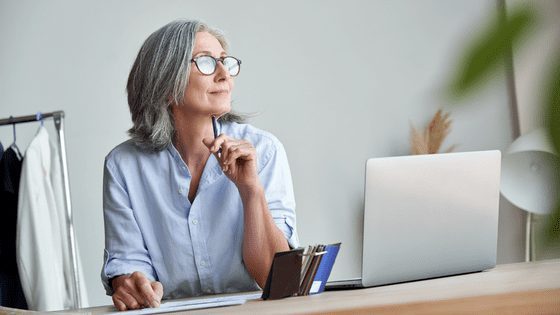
[(222, 111)]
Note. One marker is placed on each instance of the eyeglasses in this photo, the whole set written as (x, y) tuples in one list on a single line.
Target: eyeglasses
[(207, 64)]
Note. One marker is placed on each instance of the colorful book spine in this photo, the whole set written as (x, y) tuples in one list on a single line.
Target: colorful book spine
[(316, 268), (325, 267)]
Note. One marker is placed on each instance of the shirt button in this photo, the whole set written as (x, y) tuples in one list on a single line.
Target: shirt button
[(203, 263), (195, 221)]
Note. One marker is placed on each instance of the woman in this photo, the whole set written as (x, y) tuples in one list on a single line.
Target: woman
[(185, 213)]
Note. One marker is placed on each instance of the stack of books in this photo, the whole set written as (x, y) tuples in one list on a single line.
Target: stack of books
[(316, 267)]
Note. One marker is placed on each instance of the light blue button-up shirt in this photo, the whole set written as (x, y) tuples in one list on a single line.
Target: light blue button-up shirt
[(192, 249)]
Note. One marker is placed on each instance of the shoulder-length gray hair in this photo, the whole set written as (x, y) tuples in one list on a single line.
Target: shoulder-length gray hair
[(158, 79)]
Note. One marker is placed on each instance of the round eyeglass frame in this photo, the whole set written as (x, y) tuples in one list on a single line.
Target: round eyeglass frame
[(221, 59)]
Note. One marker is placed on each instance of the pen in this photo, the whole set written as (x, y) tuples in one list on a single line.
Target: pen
[(215, 128)]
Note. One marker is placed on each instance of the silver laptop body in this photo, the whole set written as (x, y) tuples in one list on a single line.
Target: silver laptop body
[(428, 216)]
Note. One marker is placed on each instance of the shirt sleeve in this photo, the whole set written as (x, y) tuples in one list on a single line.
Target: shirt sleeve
[(277, 182), (125, 250)]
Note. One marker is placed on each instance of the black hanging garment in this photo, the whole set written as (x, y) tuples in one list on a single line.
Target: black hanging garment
[(11, 294)]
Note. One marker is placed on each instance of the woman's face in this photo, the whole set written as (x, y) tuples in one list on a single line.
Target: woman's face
[(208, 95)]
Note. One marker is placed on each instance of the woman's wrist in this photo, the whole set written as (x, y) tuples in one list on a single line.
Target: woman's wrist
[(250, 191), (112, 280)]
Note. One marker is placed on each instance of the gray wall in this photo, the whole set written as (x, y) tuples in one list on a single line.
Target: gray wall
[(337, 82)]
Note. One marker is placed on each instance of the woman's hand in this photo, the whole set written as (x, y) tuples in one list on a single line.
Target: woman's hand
[(238, 159), (135, 291)]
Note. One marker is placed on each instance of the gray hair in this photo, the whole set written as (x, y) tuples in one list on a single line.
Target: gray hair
[(158, 79)]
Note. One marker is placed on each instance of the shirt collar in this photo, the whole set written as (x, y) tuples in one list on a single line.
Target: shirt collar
[(212, 170)]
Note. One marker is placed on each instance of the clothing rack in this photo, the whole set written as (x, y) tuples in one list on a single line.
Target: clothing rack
[(58, 117)]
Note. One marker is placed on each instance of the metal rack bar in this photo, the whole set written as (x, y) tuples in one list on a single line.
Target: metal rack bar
[(29, 118)]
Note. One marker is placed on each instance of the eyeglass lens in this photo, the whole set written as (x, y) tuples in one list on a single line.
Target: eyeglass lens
[(207, 65)]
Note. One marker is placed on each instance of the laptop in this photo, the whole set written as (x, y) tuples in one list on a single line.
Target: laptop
[(428, 216)]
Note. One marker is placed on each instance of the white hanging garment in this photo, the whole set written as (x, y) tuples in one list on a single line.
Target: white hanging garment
[(41, 246)]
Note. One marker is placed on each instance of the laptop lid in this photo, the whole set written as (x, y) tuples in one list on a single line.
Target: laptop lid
[(432, 215)]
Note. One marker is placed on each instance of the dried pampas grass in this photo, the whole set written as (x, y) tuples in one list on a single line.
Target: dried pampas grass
[(431, 138)]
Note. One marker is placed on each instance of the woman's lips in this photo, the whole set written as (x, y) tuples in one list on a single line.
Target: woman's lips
[(219, 92)]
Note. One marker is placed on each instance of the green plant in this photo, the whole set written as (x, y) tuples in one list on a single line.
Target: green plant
[(487, 54)]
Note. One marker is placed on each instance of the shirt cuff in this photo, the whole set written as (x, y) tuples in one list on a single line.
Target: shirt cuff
[(114, 267), (288, 228)]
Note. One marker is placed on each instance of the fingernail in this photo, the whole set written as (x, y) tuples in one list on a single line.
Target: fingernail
[(155, 303)]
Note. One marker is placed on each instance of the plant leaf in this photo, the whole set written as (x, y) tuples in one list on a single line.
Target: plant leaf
[(438, 129), (552, 228), (552, 105), (489, 50), (418, 144), (552, 110)]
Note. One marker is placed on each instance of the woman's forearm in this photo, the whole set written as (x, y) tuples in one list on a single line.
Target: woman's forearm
[(261, 237)]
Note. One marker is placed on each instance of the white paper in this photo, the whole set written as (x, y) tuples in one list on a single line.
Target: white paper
[(315, 287), (204, 302)]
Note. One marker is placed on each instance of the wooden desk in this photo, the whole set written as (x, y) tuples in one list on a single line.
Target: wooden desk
[(530, 288), (524, 287)]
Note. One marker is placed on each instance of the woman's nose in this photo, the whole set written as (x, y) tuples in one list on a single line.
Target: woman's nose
[(221, 72)]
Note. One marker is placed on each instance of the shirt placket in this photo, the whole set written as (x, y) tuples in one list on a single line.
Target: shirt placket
[(202, 258), (200, 250), (196, 228)]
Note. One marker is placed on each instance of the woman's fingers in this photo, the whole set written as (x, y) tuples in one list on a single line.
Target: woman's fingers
[(136, 291), (226, 151), (214, 144), (144, 288), (120, 305), (124, 301), (125, 291), (231, 150), (158, 289), (242, 150), (132, 290)]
